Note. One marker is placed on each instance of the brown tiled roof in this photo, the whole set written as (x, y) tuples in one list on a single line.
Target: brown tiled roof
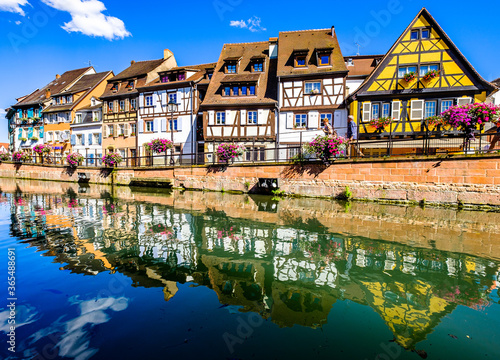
[(240, 78), (199, 75), (309, 41), (122, 88), (363, 65), (267, 84), (138, 69), (56, 86), (496, 82), (85, 83)]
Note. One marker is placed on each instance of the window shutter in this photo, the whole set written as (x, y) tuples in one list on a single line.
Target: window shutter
[(179, 124), (313, 122), (367, 112), (396, 110), (19, 114), (41, 132), (141, 126), (20, 135), (115, 130), (104, 131), (30, 133), (91, 156), (73, 140), (163, 125), (30, 113), (464, 101), (105, 107), (417, 110), (289, 120), (155, 126), (211, 118), (261, 119), (83, 140), (243, 115), (116, 106), (100, 139), (126, 130), (127, 105)]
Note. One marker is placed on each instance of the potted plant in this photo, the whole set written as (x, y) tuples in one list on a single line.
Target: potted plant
[(409, 77), (314, 92), (5, 156), (41, 149), (381, 123), (34, 138), (21, 156), (227, 152), (23, 139), (432, 74), (74, 160), (159, 146), (326, 147), (435, 122), (132, 134), (112, 159)]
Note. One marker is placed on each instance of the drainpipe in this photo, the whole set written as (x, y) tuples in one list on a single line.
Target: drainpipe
[(193, 129)]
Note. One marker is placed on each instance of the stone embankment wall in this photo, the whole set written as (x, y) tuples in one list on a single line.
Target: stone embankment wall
[(458, 181)]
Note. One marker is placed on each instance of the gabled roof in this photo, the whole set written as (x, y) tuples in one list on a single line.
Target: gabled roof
[(55, 86), (443, 34), (308, 42), (137, 69), (199, 75), (266, 92), (362, 65), (496, 82)]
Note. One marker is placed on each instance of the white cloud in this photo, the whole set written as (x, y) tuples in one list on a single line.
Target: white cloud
[(252, 24), (13, 6), (87, 17), (18, 22)]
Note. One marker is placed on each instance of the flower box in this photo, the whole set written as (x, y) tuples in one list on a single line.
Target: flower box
[(409, 77), (381, 123), (432, 74), (159, 146), (74, 160)]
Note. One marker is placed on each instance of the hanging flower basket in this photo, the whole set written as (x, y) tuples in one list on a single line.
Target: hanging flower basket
[(41, 149), (159, 146), (74, 160), (112, 159), (432, 74), (5, 156), (226, 152), (381, 123), (409, 77), (21, 156), (325, 147)]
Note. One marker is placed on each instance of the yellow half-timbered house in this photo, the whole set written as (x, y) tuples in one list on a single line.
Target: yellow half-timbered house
[(422, 75)]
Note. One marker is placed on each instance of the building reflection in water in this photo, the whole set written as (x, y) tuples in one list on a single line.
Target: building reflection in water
[(291, 274)]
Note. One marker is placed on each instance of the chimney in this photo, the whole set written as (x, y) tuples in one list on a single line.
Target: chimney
[(167, 53), (333, 31), (132, 62), (58, 76), (47, 94), (273, 48)]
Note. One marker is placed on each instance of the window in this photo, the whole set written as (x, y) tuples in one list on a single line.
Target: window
[(121, 129), (252, 89), (79, 139), (406, 70), (446, 104), (386, 110), (96, 116), (258, 66), (236, 90), (300, 61), (424, 69), (415, 35), (324, 59), (417, 110), (221, 118), (258, 153), (430, 109), (133, 129), (133, 104), (122, 105), (78, 119), (58, 100), (96, 139), (174, 127), (114, 88), (231, 68), (149, 126), (69, 99), (375, 111), (111, 104), (313, 87), (252, 117), (426, 34), (244, 90), (326, 117), (130, 84), (227, 91), (49, 136), (172, 97), (149, 100), (210, 74), (164, 79), (111, 130), (300, 121), (57, 136), (181, 76)]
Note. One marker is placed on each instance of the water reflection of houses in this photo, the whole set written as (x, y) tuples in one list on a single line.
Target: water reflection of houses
[(291, 274)]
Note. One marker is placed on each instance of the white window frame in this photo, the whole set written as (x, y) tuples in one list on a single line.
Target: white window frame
[(388, 112), (374, 106), (152, 127), (464, 101), (252, 117), (442, 104), (220, 118), (302, 123), (148, 100), (425, 108), (413, 109), (407, 70), (313, 85), (427, 68), (133, 104)]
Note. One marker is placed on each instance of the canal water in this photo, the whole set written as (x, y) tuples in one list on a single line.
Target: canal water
[(120, 273)]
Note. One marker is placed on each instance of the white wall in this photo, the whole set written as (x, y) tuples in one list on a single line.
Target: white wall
[(27, 144), (86, 130)]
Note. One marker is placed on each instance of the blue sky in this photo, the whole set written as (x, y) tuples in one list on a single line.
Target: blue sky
[(42, 38)]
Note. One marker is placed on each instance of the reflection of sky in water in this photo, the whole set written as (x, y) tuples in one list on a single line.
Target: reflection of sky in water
[(73, 336)]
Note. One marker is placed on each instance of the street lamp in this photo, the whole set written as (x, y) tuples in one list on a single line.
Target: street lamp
[(172, 108)]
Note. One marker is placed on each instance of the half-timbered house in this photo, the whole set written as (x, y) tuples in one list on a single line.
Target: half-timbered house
[(312, 85), (422, 75), (183, 86), (241, 101), (120, 104)]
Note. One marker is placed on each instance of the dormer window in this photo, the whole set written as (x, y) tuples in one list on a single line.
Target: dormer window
[(415, 35), (426, 34), (69, 99), (300, 57), (324, 56), (210, 73), (130, 84), (181, 76), (164, 79), (350, 62), (239, 90), (114, 88), (258, 66), (58, 100), (231, 68)]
